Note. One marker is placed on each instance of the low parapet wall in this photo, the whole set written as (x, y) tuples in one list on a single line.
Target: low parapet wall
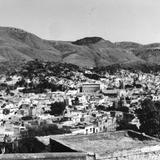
[(46, 156), (145, 153)]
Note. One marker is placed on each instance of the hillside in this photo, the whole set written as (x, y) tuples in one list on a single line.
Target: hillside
[(93, 52), (150, 53), (17, 46)]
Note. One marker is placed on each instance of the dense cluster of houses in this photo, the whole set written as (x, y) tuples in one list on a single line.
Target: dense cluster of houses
[(18, 110)]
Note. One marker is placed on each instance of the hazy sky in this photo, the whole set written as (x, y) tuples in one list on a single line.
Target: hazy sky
[(115, 20)]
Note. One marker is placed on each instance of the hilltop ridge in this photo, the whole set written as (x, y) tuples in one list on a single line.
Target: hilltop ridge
[(17, 46)]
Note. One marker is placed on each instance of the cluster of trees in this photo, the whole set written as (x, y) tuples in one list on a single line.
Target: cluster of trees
[(92, 76), (45, 130), (37, 68), (112, 69), (41, 71), (149, 116), (41, 87)]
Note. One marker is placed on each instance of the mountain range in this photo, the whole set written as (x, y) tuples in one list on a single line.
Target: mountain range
[(18, 46)]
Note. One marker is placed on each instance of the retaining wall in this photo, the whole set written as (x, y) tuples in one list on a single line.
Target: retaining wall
[(46, 156), (145, 153)]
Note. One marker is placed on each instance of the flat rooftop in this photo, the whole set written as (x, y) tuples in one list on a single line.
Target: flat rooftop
[(103, 143)]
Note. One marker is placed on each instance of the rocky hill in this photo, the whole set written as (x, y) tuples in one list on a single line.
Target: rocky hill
[(17, 46)]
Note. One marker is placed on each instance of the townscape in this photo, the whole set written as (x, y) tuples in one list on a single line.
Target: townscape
[(79, 80), (47, 99)]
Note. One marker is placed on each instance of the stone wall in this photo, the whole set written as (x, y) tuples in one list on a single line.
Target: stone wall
[(145, 153), (46, 156)]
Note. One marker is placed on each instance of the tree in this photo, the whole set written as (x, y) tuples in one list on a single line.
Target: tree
[(6, 111), (123, 122), (57, 108), (149, 116)]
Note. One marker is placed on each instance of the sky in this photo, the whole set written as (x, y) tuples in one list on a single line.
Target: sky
[(114, 20)]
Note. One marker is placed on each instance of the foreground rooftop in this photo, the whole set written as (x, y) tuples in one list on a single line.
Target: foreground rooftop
[(103, 143)]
